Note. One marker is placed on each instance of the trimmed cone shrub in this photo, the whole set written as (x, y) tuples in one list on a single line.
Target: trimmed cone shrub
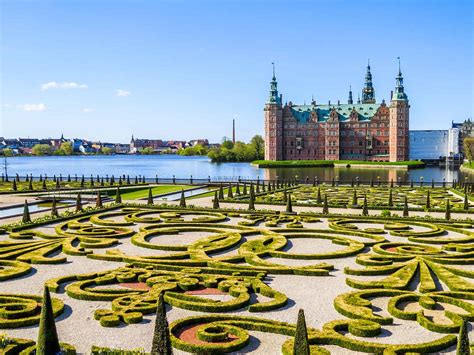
[(136, 180), (252, 190), (161, 337), (405, 207), (252, 203), (448, 210), (301, 344), (244, 192), (390, 199), (150, 197), (285, 196), (289, 207), (221, 192), (215, 201), (354, 198), (325, 205), (26, 213), (82, 181), (237, 189), (319, 199), (98, 200), (463, 347), (428, 202), (120, 180), (54, 210), (128, 179), (229, 192), (182, 200), (44, 187), (365, 208), (118, 196), (466, 202), (258, 187), (78, 203), (14, 188), (58, 185), (48, 342)]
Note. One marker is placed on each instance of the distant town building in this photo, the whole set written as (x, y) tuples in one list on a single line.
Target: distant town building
[(365, 130), (138, 144), (466, 129)]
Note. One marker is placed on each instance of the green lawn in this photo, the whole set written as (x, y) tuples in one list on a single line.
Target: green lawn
[(469, 165), (157, 190)]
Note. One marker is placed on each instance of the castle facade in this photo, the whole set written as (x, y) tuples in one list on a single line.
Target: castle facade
[(366, 130)]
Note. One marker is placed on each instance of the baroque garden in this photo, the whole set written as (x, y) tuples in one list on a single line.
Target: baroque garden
[(376, 267)]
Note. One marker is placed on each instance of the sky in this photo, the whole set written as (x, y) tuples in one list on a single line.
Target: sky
[(178, 69)]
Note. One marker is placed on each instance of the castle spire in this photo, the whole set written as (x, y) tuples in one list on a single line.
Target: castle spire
[(349, 101), (274, 98), (368, 92), (399, 93)]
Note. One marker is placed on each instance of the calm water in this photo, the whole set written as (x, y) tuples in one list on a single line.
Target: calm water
[(200, 167)]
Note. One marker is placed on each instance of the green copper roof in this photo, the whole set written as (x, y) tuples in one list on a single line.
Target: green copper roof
[(302, 113)]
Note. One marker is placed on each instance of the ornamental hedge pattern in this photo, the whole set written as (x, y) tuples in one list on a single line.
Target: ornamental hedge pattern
[(222, 263)]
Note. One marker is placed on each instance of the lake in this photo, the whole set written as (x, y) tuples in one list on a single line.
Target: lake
[(166, 166)]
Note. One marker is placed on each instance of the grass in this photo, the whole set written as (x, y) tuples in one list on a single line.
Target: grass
[(469, 165), (157, 190), (329, 163)]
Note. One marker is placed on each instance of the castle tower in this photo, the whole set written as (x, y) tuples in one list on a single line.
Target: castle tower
[(273, 123), (350, 101), (399, 121), (368, 92)]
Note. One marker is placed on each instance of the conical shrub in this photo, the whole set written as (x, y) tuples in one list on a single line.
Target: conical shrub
[(30, 185), (289, 207), (230, 194), (161, 344), (244, 192), (301, 344), (78, 203), (405, 207), (325, 205), (390, 198), (98, 200), (221, 192), (318, 198), (118, 196), (54, 209), (354, 198), (215, 201), (48, 342), (365, 208), (237, 189), (150, 197), (182, 200), (26, 213), (428, 202), (448, 210), (466, 202), (251, 203), (14, 188)]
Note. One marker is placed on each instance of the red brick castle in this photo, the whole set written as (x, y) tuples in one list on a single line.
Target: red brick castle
[(365, 130)]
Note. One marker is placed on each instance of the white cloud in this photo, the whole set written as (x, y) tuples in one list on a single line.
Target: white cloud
[(33, 107), (122, 93), (64, 85), (88, 109)]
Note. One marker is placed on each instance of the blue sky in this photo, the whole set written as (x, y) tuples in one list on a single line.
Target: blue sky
[(176, 69)]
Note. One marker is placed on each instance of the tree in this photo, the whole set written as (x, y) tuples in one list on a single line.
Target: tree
[(118, 196), (365, 209), (215, 201), (48, 342), (301, 344), (230, 194), (319, 199), (289, 207), (466, 202), (54, 209), (147, 151), (325, 205), (257, 144), (405, 207), (463, 347), (78, 203), (8, 152), (26, 213), (468, 144), (14, 187), (221, 192), (182, 200), (448, 210), (161, 344), (41, 149), (237, 189), (227, 143), (150, 197), (428, 202), (66, 149), (106, 150)]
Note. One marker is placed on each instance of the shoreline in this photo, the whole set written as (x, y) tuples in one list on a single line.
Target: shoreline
[(406, 165)]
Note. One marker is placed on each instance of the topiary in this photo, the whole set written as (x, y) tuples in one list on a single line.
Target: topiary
[(390, 198), (229, 192), (48, 342), (182, 200), (26, 213), (405, 207), (98, 200), (161, 337), (150, 197), (118, 196), (215, 201), (448, 210), (428, 202), (289, 207), (251, 202), (325, 205), (301, 344), (78, 203), (354, 198), (466, 202), (365, 209), (54, 210), (319, 199), (14, 188)]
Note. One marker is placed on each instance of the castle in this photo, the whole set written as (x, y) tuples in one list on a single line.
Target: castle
[(365, 130)]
